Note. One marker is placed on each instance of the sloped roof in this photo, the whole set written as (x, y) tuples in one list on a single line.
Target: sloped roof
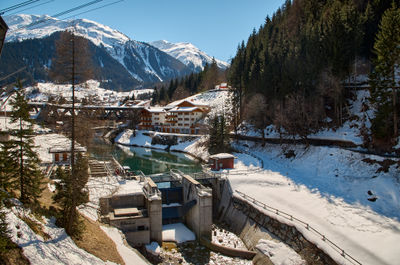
[(155, 109), (222, 156), (185, 109)]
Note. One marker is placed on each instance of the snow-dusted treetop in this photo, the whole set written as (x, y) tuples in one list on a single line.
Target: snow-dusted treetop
[(187, 53)]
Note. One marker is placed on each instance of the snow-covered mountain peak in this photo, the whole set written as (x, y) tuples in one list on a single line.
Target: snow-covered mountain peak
[(97, 33), (188, 54)]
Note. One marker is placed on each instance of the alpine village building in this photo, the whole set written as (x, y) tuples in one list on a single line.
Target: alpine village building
[(182, 118)]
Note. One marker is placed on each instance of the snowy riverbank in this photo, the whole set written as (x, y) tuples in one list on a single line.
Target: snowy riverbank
[(195, 146), (329, 189)]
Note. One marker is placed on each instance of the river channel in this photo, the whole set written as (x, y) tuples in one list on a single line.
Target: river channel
[(153, 161), (149, 161)]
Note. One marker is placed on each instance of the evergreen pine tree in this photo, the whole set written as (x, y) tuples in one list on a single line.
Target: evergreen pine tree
[(7, 166), (155, 97), (28, 174), (213, 141), (223, 135), (4, 239), (71, 193), (163, 96), (383, 80), (236, 72), (219, 136)]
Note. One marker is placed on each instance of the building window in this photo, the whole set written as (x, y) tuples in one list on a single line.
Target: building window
[(140, 228)]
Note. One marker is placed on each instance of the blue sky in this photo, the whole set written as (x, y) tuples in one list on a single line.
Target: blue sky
[(214, 26)]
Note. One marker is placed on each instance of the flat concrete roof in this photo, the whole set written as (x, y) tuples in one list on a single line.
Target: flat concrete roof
[(130, 187), (126, 211)]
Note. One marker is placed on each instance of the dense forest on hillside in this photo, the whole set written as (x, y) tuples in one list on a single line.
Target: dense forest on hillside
[(191, 84), (296, 69)]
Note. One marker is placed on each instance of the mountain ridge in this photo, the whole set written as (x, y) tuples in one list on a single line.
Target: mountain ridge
[(144, 63), (188, 54)]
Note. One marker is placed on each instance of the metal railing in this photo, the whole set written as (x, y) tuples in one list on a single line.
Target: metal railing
[(306, 225), (141, 175), (176, 174)]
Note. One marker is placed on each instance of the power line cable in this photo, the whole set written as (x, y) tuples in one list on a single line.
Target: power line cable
[(90, 10), (17, 12), (59, 14), (11, 8), (9, 75), (77, 8)]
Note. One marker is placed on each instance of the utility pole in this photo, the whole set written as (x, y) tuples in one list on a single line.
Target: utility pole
[(73, 104)]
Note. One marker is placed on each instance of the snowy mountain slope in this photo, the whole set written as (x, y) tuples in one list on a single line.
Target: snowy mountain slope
[(97, 33), (330, 189), (188, 54), (59, 248), (142, 62)]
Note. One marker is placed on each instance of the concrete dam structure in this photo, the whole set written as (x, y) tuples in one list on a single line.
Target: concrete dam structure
[(140, 210), (142, 207)]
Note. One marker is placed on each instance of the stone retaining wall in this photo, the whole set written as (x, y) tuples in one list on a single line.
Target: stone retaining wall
[(227, 251), (252, 225)]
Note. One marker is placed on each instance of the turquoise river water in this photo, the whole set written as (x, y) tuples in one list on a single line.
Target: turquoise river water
[(149, 161)]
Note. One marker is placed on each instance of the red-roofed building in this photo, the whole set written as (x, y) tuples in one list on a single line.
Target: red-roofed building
[(221, 161), (181, 118)]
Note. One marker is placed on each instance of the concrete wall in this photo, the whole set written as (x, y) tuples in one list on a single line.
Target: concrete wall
[(136, 238), (154, 209), (199, 218), (251, 225), (130, 224), (108, 204), (228, 251)]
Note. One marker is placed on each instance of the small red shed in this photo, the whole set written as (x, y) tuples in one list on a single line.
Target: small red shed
[(221, 161)]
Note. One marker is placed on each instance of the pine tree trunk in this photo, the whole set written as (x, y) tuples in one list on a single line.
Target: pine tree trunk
[(21, 167), (70, 219), (394, 95), (395, 128), (73, 109)]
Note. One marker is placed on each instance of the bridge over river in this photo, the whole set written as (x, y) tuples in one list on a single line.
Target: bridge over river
[(60, 111)]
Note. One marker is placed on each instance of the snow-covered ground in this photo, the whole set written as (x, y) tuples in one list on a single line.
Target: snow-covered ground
[(59, 248), (218, 100), (349, 131), (129, 255), (90, 89), (42, 142), (225, 238), (192, 252), (194, 146), (327, 188), (279, 253), (178, 233)]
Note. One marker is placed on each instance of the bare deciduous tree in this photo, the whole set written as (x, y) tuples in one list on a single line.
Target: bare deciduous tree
[(256, 113), (72, 65)]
